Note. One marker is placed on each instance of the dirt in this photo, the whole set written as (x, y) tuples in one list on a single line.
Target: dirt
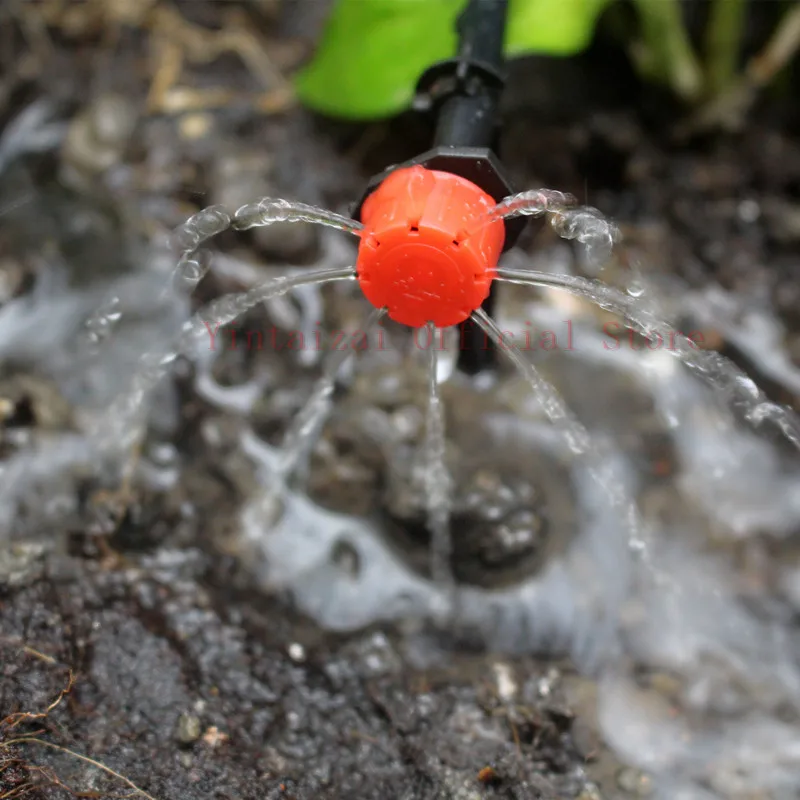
[(188, 681), (190, 688)]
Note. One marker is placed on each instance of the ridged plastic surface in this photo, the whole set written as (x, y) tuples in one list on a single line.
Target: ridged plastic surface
[(415, 258)]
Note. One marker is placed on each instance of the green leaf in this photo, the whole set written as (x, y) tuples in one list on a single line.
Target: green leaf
[(667, 54), (373, 52), (551, 27), (372, 55)]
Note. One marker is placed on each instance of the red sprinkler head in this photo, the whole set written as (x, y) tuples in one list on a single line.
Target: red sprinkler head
[(415, 258)]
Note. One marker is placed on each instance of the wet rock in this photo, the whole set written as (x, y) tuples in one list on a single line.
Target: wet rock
[(239, 178), (272, 413), (7, 408), (196, 126), (21, 563), (12, 279), (507, 686), (587, 739), (189, 729), (296, 652), (33, 401), (789, 583), (290, 242), (390, 388), (500, 520), (515, 538), (784, 220), (634, 782), (97, 138), (346, 468)]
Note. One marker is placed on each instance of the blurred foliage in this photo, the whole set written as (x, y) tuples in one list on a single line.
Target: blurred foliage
[(373, 51)]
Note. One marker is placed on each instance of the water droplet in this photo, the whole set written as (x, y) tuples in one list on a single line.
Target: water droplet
[(760, 413), (102, 322), (191, 269), (635, 288)]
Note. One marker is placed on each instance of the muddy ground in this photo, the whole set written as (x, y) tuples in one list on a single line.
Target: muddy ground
[(188, 681)]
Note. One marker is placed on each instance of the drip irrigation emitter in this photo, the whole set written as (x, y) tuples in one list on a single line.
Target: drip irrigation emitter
[(431, 232), (421, 255)]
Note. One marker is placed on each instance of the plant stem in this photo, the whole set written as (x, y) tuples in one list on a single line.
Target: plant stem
[(669, 51), (723, 43), (729, 107), (780, 49)]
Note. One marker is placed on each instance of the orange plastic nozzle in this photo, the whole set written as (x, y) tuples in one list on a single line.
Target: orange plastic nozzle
[(415, 258)]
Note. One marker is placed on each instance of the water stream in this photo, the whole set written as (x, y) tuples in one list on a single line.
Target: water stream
[(436, 476), (737, 389), (641, 584), (304, 429), (121, 425)]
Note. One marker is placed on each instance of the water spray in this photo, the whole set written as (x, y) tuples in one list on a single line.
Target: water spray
[(430, 234)]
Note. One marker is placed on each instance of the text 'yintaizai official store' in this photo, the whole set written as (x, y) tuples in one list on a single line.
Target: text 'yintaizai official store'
[(615, 336)]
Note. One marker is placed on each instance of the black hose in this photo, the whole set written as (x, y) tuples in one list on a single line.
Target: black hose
[(468, 118)]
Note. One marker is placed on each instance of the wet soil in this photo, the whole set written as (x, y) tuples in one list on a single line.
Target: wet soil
[(191, 688), (188, 681)]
